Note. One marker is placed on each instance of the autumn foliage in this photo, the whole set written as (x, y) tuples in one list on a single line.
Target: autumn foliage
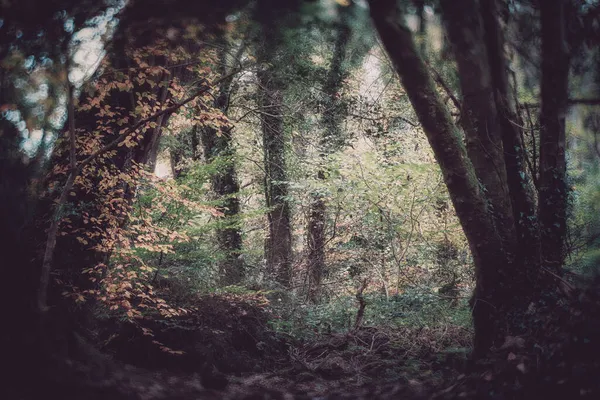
[(104, 213)]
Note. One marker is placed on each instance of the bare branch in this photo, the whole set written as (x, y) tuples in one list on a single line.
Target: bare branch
[(440, 81), (56, 216), (571, 102)]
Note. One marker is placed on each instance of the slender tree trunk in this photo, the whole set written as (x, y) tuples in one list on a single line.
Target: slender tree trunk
[(153, 142), (225, 186), (225, 183), (316, 244), (279, 240), (492, 297), (553, 167), (331, 141), (275, 20)]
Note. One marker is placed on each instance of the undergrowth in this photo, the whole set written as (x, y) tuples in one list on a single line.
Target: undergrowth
[(412, 309)]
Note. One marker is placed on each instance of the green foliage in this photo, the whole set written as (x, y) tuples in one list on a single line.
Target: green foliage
[(412, 309)]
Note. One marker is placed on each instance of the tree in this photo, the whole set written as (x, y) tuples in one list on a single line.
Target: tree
[(218, 145), (487, 182), (117, 135), (553, 164), (273, 20), (519, 177), (331, 141)]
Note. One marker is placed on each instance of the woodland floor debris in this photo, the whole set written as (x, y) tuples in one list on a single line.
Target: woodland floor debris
[(556, 359)]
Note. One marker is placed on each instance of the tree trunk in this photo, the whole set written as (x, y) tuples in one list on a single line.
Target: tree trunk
[(275, 20), (151, 153), (316, 244), (279, 239), (479, 114), (225, 185), (553, 167), (492, 297), (331, 141), (224, 182), (519, 179)]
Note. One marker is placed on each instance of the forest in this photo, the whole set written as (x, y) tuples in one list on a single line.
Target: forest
[(301, 199)]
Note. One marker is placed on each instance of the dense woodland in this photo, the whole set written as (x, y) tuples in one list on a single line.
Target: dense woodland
[(300, 199)]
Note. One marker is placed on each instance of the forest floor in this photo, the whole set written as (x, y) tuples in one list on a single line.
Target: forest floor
[(226, 348), (228, 341)]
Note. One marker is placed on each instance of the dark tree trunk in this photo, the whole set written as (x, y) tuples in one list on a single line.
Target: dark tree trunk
[(175, 157), (519, 179), (224, 182), (278, 247), (553, 168), (275, 18), (479, 114), (225, 185), (151, 152), (492, 298), (331, 141)]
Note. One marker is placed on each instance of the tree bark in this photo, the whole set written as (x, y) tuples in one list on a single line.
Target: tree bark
[(492, 297), (553, 166), (275, 18), (224, 182), (479, 113), (151, 153), (519, 179), (278, 247), (331, 141)]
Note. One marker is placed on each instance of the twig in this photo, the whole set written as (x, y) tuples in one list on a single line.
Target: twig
[(571, 102), (361, 304), (567, 284), (440, 81)]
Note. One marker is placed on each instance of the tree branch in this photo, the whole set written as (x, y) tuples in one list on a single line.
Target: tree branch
[(56, 217), (174, 107), (76, 170), (571, 102), (440, 81)]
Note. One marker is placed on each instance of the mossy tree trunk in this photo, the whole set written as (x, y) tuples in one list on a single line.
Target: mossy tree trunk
[(278, 246), (275, 21)]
